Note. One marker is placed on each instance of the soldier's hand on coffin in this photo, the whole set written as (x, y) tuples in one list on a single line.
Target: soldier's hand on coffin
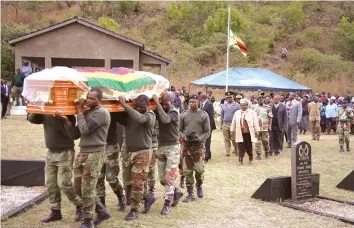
[(58, 115), (121, 100), (85, 109), (156, 99), (79, 105)]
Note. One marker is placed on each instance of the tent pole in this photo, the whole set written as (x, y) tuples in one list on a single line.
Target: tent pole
[(228, 51)]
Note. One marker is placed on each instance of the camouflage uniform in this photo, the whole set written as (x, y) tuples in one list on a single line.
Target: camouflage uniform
[(264, 113), (152, 165), (110, 172), (193, 160), (168, 161), (87, 167), (58, 175), (344, 118), (136, 171)]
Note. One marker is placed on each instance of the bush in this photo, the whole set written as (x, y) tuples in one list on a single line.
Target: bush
[(309, 60), (108, 23), (346, 37)]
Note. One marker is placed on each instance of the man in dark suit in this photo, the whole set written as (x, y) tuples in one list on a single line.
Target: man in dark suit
[(208, 107), (5, 97), (279, 125)]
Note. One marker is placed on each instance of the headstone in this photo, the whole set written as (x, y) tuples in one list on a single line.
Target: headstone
[(301, 183)]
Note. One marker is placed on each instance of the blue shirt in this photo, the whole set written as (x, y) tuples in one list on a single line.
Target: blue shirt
[(228, 111), (331, 110)]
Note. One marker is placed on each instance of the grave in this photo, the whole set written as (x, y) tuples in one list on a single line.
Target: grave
[(301, 185), (22, 186)]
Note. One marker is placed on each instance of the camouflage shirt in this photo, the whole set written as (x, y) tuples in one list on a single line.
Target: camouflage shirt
[(264, 113), (344, 117)]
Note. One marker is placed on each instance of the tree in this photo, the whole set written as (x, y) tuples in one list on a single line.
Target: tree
[(8, 32), (292, 16), (346, 37), (218, 22), (108, 23)]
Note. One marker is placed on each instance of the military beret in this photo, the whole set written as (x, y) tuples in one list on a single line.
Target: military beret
[(229, 94), (263, 94), (239, 96), (193, 96)]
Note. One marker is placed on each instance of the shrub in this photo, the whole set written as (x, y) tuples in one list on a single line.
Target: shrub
[(108, 23)]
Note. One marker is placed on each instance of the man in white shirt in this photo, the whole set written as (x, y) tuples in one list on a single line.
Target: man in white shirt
[(26, 69)]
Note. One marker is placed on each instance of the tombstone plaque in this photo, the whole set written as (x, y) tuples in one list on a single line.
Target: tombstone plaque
[(301, 171)]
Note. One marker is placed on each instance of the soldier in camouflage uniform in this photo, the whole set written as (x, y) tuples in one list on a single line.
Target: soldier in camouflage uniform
[(265, 116), (93, 126), (168, 152), (110, 168), (194, 128), (152, 163), (345, 116), (139, 126), (59, 132)]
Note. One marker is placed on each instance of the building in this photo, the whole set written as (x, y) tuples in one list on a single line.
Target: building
[(79, 43)]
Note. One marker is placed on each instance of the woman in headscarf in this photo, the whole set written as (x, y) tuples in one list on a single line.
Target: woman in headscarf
[(245, 129), (305, 123)]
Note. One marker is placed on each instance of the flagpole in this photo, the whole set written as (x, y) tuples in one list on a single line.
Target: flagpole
[(228, 51)]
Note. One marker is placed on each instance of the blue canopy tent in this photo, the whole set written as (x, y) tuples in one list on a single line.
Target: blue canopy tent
[(250, 79)]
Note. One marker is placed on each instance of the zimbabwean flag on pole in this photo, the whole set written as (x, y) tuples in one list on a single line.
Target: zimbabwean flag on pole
[(237, 43)]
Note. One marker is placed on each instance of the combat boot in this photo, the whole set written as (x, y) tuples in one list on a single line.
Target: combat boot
[(55, 215), (121, 200), (348, 148), (149, 201), (176, 197), (200, 192), (190, 196), (128, 193), (182, 182), (79, 213), (87, 224), (102, 213), (166, 208), (341, 148), (258, 157), (132, 215)]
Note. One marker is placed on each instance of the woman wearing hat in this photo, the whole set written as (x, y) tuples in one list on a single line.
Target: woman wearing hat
[(244, 128)]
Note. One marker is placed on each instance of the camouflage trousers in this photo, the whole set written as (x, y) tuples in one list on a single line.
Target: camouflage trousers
[(58, 175), (343, 131), (168, 161), (152, 166), (262, 140), (193, 161), (135, 174), (110, 171), (87, 168)]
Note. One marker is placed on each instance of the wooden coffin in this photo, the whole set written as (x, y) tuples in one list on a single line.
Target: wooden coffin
[(63, 96)]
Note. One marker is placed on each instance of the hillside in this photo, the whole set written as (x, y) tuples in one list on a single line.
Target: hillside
[(318, 35)]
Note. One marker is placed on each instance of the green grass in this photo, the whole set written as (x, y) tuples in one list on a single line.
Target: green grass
[(228, 188)]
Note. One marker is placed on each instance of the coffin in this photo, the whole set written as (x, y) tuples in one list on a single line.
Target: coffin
[(63, 96), (60, 88)]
